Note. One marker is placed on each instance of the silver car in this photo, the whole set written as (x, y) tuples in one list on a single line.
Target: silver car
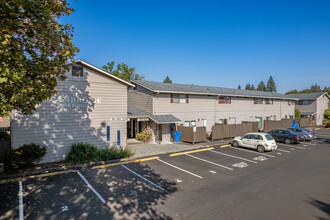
[(305, 134), (260, 141)]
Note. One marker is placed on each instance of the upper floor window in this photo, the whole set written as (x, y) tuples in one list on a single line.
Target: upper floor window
[(179, 98), (258, 101), (77, 71), (224, 100), (303, 102), (269, 101)]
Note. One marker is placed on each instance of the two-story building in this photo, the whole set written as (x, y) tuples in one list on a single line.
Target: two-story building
[(195, 105), (90, 106), (312, 105)]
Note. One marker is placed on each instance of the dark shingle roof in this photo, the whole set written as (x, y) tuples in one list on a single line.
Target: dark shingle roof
[(307, 113), (159, 119), (207, 90), (306, 96)]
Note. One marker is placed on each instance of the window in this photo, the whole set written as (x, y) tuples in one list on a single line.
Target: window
[(248, 136), (222, 121), (286, 117), (274, 117), (256, 137), (268, 117), (233, 120), (175, 98), (269, 101), (108, 133), (269, 137), (303, 103), (187, 123), (118, 137), (204, 122), (258, 101), (77, 71), (224, 100), (290, 102)]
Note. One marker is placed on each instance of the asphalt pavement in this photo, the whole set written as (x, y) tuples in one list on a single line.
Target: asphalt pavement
[(221, 182)]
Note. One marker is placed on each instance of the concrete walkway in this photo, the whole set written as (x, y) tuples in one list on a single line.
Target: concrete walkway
[(152, 149)]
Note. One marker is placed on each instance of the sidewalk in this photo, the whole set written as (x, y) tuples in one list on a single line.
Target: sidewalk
[(152, 149)]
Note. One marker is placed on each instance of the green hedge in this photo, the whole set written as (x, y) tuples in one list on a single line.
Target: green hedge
[(26, 155), (84, 153)]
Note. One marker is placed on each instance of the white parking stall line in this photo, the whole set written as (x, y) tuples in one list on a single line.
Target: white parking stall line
[(142, 177), (311, 144), (20, 196), (234, 156), (209, 162), (285, 145), (90, 186), (180, 168), (235, 148), (286, 151)]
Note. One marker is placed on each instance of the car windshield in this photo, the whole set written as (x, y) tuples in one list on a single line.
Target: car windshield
[(269, 137), (306, 130), (292, 132)]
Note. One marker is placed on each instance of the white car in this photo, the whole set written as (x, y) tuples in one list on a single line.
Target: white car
[(260, 141)]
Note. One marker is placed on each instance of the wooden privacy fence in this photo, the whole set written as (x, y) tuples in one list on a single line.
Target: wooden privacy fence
[(192, 134), (282, 124), (222, 131), (4, 149), (303, 122)]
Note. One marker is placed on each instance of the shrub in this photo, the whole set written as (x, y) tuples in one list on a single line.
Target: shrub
[(26, 155), (297, 113), (142, 135), (84, 153)]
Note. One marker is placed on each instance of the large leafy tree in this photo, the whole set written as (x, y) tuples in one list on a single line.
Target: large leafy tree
[(261, 86), (123, 71), (271, 87), (167, 80), (35, 50)]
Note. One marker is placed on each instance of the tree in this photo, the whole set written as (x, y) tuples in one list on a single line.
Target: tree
[(123, 71), (271, 87), (239, 87), (327, 89), (35, 50), (292, 92), (297, 113), (261, 86), (248, 86), (167, 80), (252, 87)]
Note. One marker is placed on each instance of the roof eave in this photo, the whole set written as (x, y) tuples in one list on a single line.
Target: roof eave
[(104, 72)]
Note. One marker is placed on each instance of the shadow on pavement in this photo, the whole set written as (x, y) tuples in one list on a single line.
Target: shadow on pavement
[(323, 206)]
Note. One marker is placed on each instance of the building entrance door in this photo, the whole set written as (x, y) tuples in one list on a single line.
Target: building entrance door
[(259, 119)]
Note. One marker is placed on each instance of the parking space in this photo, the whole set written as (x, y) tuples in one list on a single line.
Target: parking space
[(135, 190)]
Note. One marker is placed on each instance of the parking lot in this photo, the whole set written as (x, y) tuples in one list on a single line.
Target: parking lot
[(220, 182)]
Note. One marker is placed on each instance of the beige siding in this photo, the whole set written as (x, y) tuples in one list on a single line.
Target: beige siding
[(322, 105), (311, 107), (207, 107), (58, 122), (141, 98)]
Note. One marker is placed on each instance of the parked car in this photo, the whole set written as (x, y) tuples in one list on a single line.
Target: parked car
[(260, 141), (286, 136), (305, 134), (327, 125)]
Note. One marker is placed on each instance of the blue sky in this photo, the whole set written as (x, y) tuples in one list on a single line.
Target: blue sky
[(216, 43)]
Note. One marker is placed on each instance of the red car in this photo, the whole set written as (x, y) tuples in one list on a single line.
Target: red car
[(327, 125)]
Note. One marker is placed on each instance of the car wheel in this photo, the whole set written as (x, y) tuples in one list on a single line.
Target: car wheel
[(235, 144), (260, 148), (287, 141)]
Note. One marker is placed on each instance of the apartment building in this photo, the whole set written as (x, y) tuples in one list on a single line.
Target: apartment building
[(312, 105), (90, 106), (195, 105)]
